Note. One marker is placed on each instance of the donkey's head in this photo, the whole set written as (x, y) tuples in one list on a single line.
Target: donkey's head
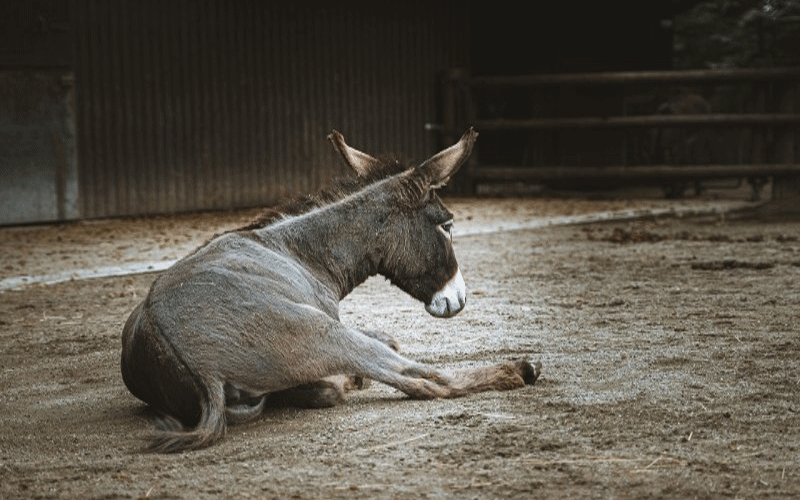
[(415, 236)]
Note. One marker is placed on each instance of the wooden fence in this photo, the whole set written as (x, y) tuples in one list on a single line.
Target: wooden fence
[(539, 130)]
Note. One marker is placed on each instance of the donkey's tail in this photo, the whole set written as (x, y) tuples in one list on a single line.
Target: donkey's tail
[(171, 436)]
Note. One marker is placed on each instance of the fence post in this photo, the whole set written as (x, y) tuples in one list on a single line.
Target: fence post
[(786, 190), (454, 120)]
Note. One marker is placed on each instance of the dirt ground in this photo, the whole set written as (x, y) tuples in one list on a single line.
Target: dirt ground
[(670, 351)]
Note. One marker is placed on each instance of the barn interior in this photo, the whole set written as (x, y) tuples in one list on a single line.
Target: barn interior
[(133, 108), (604, 226)]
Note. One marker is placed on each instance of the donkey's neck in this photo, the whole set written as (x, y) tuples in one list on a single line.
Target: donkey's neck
[(338, 242)]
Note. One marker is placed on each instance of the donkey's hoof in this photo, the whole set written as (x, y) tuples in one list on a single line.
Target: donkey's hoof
[(530, 372)]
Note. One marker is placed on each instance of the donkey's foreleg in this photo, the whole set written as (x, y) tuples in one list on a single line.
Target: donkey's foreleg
[(503, 377), (338, 349), (329, 391), (373, 360), (509, 375), (383, 337)]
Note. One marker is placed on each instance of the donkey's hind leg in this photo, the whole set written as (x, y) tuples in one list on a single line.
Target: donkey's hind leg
[(241, 406), (322, 393)]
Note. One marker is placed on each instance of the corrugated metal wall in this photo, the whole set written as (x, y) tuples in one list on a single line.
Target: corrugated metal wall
[(214, 104)]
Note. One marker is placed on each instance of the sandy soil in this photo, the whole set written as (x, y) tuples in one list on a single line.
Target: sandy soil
[(670, 349)]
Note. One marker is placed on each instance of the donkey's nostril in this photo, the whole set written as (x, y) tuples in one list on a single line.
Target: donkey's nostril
[(450, 300)]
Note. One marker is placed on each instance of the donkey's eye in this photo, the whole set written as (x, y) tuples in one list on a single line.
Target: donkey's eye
[(447, 227)]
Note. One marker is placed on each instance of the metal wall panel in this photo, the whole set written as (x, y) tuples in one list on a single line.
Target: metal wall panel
[(38, 173), (214, 104)]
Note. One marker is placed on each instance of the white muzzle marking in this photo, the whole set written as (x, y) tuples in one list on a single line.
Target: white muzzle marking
[(450, 300)]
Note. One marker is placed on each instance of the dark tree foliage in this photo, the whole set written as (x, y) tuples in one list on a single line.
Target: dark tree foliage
[(737, 33)]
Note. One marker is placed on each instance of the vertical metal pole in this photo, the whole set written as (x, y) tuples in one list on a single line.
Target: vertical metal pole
[(786, 190)]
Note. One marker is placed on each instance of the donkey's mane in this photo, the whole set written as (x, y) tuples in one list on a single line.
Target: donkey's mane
[(338, 189)]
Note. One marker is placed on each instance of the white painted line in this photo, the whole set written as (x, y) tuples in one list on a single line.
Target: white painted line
[(18, 282), (616, 215)]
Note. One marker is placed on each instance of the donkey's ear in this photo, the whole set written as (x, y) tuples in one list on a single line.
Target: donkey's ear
[(359, 161), (439, 168)]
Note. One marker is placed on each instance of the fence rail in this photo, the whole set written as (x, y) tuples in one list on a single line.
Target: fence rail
[(649, 173), (638, 77), (624, 122), (771, 122)]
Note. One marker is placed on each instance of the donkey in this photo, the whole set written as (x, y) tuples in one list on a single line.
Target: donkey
[(252, 316)]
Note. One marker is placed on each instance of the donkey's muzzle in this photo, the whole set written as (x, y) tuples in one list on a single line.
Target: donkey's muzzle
[(450, 300)]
